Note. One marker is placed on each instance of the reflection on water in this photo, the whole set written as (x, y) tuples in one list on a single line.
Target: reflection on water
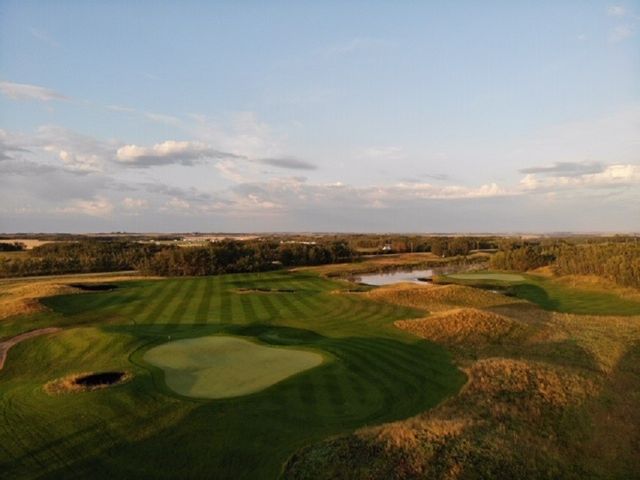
[(415, 276)]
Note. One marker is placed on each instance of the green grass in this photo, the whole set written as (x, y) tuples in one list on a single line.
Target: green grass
[(142, 429), (502, 277), (225, 366), (550, 294)]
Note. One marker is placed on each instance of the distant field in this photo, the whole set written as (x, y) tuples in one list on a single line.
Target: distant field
[(28, 242)]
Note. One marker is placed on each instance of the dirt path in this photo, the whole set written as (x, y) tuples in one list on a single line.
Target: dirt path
[(7, 344)]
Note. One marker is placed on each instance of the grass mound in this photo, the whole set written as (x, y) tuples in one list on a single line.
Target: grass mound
[(22, 296), (498, 427), (463, 326), (438, 298), (508, 387), (557, 400)]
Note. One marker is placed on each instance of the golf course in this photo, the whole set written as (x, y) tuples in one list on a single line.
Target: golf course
[(229, 374), (294, 374)]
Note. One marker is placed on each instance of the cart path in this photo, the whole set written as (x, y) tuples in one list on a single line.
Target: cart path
[(7, 344)]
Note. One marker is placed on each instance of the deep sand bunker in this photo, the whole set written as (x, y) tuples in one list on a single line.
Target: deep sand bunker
[(223, 366), (99, 379), (87, 381)]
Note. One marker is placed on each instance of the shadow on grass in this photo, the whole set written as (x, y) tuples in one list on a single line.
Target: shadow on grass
[(373, 380)]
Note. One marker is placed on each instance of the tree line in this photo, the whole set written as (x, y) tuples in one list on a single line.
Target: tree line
[(91, 256), (12, 246), (617, 258)]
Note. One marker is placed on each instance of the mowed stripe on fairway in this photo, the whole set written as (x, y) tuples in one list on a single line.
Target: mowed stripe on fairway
[(375, 374)]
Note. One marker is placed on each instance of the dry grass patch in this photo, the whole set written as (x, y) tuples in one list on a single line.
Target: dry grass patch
[(607, 339), (558, 400), (29, 243), (468, 326), (525, 388), (438, 298), (22, 296), (598, 284)]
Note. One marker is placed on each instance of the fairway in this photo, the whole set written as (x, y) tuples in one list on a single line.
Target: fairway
[(223, 366), (550, 294), (501, 277), (150, 428)]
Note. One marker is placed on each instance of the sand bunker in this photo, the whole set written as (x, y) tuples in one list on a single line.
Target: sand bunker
[(265, 290), (87, 381), (94, 287), (222, 366)]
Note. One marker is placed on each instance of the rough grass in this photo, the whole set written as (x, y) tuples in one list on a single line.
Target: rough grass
[(557, 400), (435, 298), (22, 296), (464, 326)]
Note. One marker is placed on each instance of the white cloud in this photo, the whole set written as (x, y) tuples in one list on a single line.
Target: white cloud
[(383, 153), (82, 163), (287, 162), (620, 33), (23, 91), (566, 169), (163, 118), (134, 203), (177, 204), (616, 11), (611, 176), (96, 207), (79, 153), (166, 153), (244, 135)]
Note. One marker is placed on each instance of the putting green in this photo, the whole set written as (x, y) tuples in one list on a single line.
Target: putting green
[(503, 277), (223, 366)]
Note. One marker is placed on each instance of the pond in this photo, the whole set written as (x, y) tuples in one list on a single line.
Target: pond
[(386, 278)]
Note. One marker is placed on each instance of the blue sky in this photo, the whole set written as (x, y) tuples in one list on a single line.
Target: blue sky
[(320, 116)]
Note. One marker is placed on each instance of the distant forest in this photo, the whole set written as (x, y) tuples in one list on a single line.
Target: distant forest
[(214, 258), (616, 258)]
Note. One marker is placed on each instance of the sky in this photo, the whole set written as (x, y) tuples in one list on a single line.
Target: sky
[(357, 116)]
